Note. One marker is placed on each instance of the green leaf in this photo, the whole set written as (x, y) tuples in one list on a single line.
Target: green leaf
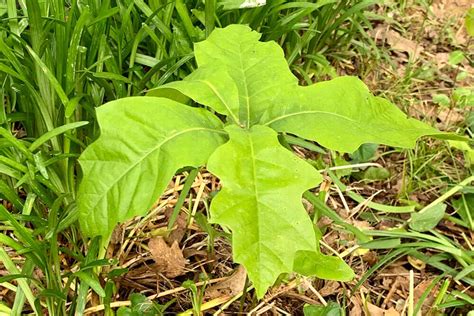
[(456, 57), (464, 146), (341, 115), (140, 306), (261, 202), (428, 219), (332, 309), (55, 132), (241, 4), (441, 99), (143, 141), (469, 22), (464, 206), (91, 280), (375, 174), (312, 263), (341, 162), (211, 87), (364, 153), (382, 243), (259, 70)]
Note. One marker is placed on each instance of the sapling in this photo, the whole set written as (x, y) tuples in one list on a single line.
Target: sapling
[(244, 96)]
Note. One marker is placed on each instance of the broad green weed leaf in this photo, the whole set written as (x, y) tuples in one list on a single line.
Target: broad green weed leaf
[(364, 153), (260, 201), (456, 57), (428, 219), (312, 263), (143, 141), (469, 22), (375, 174), (211, 87), (441, 99), (341, 115), (332, 309), (259, 69)]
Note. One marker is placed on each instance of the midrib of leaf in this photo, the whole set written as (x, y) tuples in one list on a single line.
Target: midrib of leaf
[(254, 174), (157, 147), (244, 72), (282, 117)]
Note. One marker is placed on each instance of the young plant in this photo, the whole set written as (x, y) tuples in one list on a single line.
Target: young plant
[(248, 96)]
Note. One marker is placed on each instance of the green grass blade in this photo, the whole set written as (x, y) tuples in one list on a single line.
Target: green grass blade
[(50, 76), (12, 269), (55, 132)]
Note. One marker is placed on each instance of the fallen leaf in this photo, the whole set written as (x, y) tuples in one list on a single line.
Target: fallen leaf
[(398, 42), (441, 59), (449, 117), (169, 260), (329, 288), (391, 312), (231, 286), (445, 8), (370, 257), (180, 227), (373, 310), (356, 310)]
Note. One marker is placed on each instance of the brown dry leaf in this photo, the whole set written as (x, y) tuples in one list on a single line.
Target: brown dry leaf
[(180, 227), (441, 59), (329, 288), (398, 42), (232, 286), (362, 224), (169, 260), (370, 257), (373, 310), (391, 312), (450, 117), (356, 310), (445, 8)]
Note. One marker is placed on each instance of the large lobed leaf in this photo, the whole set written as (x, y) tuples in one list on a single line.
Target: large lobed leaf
[(261, 202), (234, 57), (143, 141), (340, 114)]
